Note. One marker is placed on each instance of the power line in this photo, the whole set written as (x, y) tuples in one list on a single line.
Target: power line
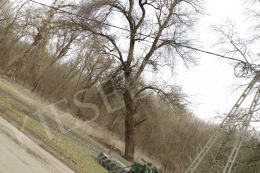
[(94, 20), (117, 27)]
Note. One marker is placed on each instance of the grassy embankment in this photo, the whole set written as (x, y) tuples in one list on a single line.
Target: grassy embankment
[(72, 152)]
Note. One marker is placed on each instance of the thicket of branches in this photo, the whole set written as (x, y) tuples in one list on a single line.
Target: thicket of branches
[(41, 49)]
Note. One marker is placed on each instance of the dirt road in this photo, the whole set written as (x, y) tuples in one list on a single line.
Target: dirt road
[(19, 154)]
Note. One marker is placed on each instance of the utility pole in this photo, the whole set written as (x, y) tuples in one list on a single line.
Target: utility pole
[(227, 120)]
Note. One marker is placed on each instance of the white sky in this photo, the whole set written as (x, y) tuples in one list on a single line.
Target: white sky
[(210, 83)]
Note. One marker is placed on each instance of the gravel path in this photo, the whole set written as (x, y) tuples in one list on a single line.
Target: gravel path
[(18, 153)]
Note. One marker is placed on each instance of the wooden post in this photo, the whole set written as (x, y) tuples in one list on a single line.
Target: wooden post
[(111, 149)]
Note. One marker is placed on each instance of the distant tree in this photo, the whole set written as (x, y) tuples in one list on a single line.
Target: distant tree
[(43, 23), (151, 38), (65, 41), (93, 66), (13, 27)]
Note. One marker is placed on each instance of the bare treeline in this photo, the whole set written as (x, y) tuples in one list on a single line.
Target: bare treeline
[(58, 56)]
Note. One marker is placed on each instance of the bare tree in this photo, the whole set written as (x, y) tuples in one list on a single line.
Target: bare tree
[(66, 76), (43, 28), (153, 33), (13, 27), (93, 67), (66, 42)]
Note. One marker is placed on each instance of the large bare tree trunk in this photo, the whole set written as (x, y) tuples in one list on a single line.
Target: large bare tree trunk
[(129, 127)]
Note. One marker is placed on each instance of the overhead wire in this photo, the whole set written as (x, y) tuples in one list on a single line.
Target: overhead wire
[(117, 27)]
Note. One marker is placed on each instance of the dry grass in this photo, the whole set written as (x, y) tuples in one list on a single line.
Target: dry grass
[(72, 152)]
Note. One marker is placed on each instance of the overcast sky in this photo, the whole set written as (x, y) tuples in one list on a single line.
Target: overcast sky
[(211, 83)]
